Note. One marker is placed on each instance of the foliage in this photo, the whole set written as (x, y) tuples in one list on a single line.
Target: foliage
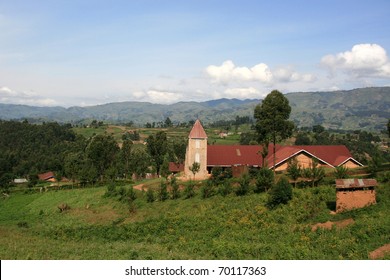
[(341, 172), (225, 188), (244, 185), (374, 164), (194, 168), (294, 170), (208, 189), (26, 148), (101, 151), (264, 180), (164, 169), (314, 173), (219, 175), (280, 193), (157, 146), (150, 195), (272, 116), (189, 190), (163, 191), (175, 190), (215, 228)]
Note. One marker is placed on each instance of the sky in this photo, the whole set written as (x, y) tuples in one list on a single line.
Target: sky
[(81, 53)]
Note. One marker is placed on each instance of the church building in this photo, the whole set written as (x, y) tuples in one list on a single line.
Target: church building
[(245, 156)]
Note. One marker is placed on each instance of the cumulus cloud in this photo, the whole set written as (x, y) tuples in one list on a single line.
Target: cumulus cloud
[(288, 74), (229, 72), (363, 60), (10, 96), (157, 96), (243, 93)]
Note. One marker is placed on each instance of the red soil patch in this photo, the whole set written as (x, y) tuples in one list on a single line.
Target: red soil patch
[(380, 252), (329, 224), (140, 187)]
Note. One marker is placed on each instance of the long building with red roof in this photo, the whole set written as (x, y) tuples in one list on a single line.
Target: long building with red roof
[(209, 156)]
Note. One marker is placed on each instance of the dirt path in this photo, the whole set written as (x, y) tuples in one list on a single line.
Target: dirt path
[(380, 252), (329, 224), (140, 187)]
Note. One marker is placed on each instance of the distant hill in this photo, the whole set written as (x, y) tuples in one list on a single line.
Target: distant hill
[(364, 108)]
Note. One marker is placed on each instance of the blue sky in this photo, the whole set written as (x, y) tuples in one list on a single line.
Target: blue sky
[(92, 52)]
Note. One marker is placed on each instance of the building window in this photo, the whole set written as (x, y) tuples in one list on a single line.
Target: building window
[(197, 144), (197, 158)]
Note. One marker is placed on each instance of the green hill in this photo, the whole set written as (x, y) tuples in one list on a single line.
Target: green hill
[(365, 108), (231, 227)]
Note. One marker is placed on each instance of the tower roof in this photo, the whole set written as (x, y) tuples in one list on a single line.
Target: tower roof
[(197, 131)]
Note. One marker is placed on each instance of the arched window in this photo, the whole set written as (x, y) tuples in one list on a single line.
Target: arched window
[(197, 158)]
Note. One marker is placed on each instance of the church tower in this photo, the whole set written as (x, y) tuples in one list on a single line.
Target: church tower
[(196, 152)]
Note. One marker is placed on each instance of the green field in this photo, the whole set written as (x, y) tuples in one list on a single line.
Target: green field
[(231, 227)]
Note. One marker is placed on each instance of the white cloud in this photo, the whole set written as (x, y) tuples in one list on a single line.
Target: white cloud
[(157, 96), (363, 60), (229, 72), (288, 74), (243, 93), (10, 96)]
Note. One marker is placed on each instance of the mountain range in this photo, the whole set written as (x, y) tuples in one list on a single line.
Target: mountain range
[(363, 108)]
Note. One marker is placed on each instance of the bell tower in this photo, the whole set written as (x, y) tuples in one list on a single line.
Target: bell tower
[(196, 152)]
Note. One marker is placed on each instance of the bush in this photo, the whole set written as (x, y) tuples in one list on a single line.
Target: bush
[(175, 191), (340, 172), (264, 180), (208, 189), (225, 188), (163, 192), (189, 191), (280, 193), (150, 195), (244, 186)]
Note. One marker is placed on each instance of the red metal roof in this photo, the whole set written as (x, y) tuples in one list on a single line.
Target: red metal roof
[(224, 155), (355, 183), (197, 131), (176, 167), (46, 176), (227, 155)]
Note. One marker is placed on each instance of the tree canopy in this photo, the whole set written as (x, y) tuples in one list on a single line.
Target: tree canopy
[(272, 119)]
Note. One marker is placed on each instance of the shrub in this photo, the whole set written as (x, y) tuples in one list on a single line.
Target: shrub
[(208, 189), (264, 180), (150, 196), (280, 193), (163, 192), (189, 191), (225, 188), (244, 185), (341, 172), (111, 190), (175, 191)]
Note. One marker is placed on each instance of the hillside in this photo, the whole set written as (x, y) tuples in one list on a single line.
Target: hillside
[(230, 227), (365, 108)]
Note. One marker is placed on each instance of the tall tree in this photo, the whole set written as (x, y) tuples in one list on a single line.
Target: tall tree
[(102, 152), (272, 122), (157, 146), (388, 127), (126, 155)]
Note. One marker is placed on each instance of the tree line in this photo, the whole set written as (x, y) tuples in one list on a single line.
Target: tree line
[(29, 149)]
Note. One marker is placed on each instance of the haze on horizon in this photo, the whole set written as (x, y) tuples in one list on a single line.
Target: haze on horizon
[(81, 53)]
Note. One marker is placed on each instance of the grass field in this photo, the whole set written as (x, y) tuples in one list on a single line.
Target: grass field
[(99, 227)]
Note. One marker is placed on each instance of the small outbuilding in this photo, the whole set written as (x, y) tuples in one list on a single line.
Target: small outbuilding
[(354, 193)]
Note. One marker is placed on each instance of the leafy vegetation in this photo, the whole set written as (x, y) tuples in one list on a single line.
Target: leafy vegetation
[(230, 227)]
